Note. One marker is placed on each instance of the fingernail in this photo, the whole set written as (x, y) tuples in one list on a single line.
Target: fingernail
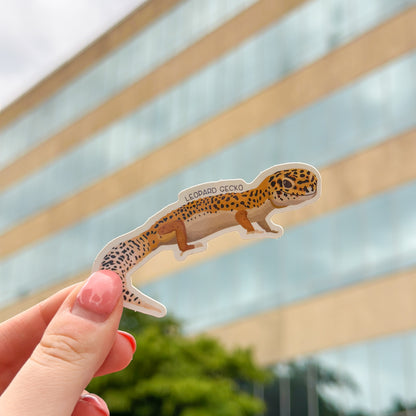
[(97, 402), (130, 339), (98, 297)]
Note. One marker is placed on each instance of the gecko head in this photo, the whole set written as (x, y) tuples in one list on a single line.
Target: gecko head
[(292, 186)]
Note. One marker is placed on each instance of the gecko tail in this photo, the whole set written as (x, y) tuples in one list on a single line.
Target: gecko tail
[(137, 301), (133, 298)]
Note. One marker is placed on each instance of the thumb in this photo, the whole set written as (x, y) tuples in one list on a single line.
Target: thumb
[(72, 349)]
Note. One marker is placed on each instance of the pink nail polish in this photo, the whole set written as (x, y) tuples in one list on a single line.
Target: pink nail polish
[(96, 402), (99, 296)]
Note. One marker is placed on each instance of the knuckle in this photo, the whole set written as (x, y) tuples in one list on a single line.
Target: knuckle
[(62, 348)]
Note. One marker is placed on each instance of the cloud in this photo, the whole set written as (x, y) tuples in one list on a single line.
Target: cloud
[(36, 36)]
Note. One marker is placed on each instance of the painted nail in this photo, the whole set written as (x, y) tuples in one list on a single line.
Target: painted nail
[(98, 297), (96, 402), (130, 339)]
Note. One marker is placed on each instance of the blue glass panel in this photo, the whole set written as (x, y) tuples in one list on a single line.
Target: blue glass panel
[(410, 370), (379, 247), (348, 246), (333, 393), (319, 264), (378, 376), (342, 123), (338, 21), (354, 391), (312, 36), (404, 220), (372, 98), (403, 86), (388, 374)]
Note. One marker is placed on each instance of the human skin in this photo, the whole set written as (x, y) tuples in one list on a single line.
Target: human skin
[(49, 353)]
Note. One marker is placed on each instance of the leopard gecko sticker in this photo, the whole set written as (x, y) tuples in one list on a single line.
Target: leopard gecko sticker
[(204, 212)]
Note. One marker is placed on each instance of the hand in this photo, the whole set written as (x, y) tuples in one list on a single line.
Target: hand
[(49, 353)]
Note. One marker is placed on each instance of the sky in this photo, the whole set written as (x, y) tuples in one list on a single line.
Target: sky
[(37, 36)]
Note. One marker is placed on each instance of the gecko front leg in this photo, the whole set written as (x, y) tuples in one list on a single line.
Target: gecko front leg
[(242, 219), (266, 227)]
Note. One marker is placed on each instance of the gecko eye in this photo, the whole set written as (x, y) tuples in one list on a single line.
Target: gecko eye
[(287, 184)]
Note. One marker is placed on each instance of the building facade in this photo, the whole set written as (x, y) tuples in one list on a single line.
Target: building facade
[(184, 92)]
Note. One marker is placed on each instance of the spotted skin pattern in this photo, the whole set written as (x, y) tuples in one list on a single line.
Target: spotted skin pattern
[(196, 220)]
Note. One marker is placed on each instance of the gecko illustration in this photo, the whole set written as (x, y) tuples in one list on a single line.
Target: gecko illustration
[(204, 212)]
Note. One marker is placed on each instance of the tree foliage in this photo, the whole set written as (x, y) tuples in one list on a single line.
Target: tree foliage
[(176, 375)]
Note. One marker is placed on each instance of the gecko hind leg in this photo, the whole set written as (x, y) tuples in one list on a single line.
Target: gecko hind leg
[(178, 226)]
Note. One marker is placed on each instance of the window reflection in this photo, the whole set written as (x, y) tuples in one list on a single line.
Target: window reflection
[(404, 110), (375, 119), (348, 247), (366, 379), (379, 248), (410, 370), (388, 374)]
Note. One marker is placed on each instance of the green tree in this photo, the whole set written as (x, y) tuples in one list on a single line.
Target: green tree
[(174, 375)]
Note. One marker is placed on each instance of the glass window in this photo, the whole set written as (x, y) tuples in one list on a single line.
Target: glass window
[(388, 375), (379, 236), (330, 386), (299, 388), (291, 283), (312, 43), (371, 98), (342, 122), (319, 265), (355, 363), (314, 134), (338, 17), (404, 222), (410, 370), (251, 64), (289, 45), (293, 134), (368, 13), (370, 378), (348, 246), (403, 89)]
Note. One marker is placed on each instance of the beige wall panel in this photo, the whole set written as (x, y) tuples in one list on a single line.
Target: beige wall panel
[(174, 71), (120, 33), (371, 309)]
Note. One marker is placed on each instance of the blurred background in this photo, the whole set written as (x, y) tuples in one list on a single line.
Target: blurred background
[(181, 92)]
